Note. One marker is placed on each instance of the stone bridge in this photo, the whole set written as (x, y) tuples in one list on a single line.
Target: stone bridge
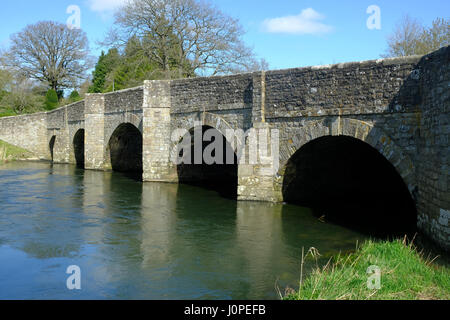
[(344, 116)]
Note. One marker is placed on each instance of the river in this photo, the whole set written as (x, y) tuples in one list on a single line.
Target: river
[(134, 240)]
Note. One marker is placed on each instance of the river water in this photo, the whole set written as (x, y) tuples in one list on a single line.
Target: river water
[(136, 240)]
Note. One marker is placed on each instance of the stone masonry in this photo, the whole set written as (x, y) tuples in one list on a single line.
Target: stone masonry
[(398, 106)]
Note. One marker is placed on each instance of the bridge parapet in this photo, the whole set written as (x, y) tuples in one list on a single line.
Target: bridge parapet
[(369, 87)]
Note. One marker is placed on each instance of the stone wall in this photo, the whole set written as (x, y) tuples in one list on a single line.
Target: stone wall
[(157, 165), (384, 93), (28, 132), (124, 100), (58, 128), (212, 94), (75, 112), (94, 151), (75, 123), (380, 96), (433, 165), (377, 86), (229, 97), (124, 106)]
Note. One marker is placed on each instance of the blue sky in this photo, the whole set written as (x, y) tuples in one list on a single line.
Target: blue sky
[(287, 33)]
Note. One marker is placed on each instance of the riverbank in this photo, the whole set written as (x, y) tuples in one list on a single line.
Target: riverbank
[(9, 152), (406, 274)]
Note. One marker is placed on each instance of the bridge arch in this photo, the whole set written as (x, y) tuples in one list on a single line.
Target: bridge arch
[(215, 121), (221, 172), (124, 149), (51, 146), (78, 148), (114, 121), (357, 129), (353, 170)]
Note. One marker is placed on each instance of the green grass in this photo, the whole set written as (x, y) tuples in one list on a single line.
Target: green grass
[(405, 275), (9, 152), (7, 112)]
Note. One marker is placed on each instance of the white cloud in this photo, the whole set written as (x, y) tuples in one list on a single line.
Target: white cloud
[(307, 22), (103, 6)]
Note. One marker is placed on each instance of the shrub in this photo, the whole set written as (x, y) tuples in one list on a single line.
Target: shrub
[(51, 99), (74, 97)]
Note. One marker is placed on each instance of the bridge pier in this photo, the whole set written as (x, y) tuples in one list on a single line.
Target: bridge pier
[(258, 168), (257, 173), (94, 154), (60, 150), (157, 165)]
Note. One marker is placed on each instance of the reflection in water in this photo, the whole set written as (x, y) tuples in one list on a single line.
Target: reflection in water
[(46, 221), (147, 241), (258, 235), (157, 231)]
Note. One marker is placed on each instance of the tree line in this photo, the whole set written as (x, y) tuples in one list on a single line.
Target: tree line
[(48, 64), (170, 39), (411, 37)]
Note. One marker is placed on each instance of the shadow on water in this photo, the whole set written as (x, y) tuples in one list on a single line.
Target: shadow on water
[(224, 189), (132, 175)]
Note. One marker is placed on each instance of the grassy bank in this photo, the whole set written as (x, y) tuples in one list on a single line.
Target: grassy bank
[(7, 112), (405, 275), (9, 152)]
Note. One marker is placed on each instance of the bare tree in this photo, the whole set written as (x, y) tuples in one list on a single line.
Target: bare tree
[(435, 37), (411, 38), (21, 99), (17, 93), (5, 74), (52, 53), (5, 78), (193, 34)]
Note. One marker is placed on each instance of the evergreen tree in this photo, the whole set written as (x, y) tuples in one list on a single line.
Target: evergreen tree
[(99, 75), (51, 99), (105, 66), (117, 71), (74, 96)]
